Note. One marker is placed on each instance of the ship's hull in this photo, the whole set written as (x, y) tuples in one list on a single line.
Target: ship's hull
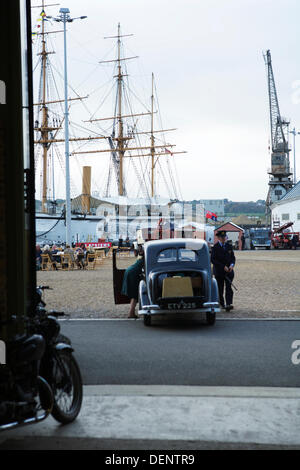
[(52, 229)]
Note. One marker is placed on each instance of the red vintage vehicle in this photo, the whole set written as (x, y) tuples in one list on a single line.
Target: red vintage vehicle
[(281, 238)]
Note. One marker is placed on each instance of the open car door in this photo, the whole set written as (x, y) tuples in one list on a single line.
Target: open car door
[(118, 275)]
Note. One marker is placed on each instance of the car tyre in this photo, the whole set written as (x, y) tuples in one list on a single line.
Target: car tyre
[(147, 320), (210, 318)]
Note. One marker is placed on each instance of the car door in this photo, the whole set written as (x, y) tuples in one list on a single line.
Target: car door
[(118, 275)]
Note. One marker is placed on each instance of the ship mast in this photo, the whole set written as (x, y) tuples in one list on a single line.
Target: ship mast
[(45, 137), (120, 120), (152, 139), (121, 147), (44, 128), (44, 125)]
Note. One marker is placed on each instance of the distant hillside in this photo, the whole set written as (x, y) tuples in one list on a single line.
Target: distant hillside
[(237, 208), (251, 207)]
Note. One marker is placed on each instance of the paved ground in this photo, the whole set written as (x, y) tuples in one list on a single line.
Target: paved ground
[(230, 353), (178, 417), (267, 281), (172, 418)]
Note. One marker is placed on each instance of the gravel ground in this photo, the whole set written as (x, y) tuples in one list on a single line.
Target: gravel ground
[(268, 284)]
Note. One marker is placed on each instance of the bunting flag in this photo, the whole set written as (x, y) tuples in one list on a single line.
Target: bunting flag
[(168, 151), (42, 17)]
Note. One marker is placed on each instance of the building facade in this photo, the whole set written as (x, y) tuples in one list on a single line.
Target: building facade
[(287, 210)]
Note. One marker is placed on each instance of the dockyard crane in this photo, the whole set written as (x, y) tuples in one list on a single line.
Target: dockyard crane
[(280, 181)]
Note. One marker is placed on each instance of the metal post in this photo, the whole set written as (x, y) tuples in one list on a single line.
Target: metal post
[(64, 12), (64, 18)]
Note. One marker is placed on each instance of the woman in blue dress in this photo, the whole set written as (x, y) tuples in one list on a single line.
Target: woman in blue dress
[(131, 280)]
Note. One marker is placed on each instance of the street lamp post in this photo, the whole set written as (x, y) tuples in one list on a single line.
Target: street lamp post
[(65, 18), (294, 143)]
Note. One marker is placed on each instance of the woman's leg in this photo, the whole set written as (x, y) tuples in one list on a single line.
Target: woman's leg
[(132, 314)]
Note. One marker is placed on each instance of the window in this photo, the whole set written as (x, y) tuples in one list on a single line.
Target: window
[(285, 216), (186, 255), (172, 254), (298, 216), (167, 256)]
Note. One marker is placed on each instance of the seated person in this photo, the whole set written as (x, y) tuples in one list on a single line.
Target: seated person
[(47, 251), (90, 254), (38, 257), (80, 258), (69, 251), (55, 256), (131, 280)]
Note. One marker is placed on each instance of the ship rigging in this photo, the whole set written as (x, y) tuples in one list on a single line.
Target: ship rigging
[(141, 161)]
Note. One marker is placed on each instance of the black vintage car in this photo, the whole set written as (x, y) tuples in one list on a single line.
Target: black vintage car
[(177, 280)]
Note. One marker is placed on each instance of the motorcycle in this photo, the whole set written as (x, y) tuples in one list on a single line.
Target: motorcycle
[(41, 376)]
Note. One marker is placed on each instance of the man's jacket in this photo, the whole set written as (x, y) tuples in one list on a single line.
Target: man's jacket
[(221, 257)]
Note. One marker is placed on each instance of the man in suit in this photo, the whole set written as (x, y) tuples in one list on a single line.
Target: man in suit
[(223, 260)]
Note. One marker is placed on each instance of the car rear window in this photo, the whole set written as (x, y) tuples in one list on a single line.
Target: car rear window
[(167, 256), (172, 254), (186, 255)]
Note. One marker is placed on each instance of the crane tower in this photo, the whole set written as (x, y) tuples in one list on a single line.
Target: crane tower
[(280, 181)]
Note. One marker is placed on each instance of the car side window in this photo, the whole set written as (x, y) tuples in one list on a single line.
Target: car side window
[(186, 255), (167, 256)]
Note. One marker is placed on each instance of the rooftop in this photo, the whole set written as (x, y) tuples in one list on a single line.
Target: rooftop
[(293, 193)]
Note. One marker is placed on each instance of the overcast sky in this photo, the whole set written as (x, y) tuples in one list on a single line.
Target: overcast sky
[(210, 76)]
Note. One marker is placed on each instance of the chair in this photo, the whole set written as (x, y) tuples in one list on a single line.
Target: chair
[(80, 261), (67, 263), (47, 264), (124, 252), (100, 255), (90, 261)]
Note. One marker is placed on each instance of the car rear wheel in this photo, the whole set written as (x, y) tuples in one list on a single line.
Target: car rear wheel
[(210, 318)]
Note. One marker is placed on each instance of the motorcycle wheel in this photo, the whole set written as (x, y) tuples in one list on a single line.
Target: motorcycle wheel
[(67, 387)]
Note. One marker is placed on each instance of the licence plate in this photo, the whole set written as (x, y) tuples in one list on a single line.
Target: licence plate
[(181, 305)]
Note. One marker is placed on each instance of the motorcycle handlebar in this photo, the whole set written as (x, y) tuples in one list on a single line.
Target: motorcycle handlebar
[(57, 314)]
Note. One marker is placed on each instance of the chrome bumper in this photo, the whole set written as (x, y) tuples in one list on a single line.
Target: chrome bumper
[(208, 307)]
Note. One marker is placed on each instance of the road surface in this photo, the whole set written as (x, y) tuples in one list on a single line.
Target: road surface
[(230, 353)]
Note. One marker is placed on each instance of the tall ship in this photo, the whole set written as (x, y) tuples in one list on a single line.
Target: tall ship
[(134, 160)]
